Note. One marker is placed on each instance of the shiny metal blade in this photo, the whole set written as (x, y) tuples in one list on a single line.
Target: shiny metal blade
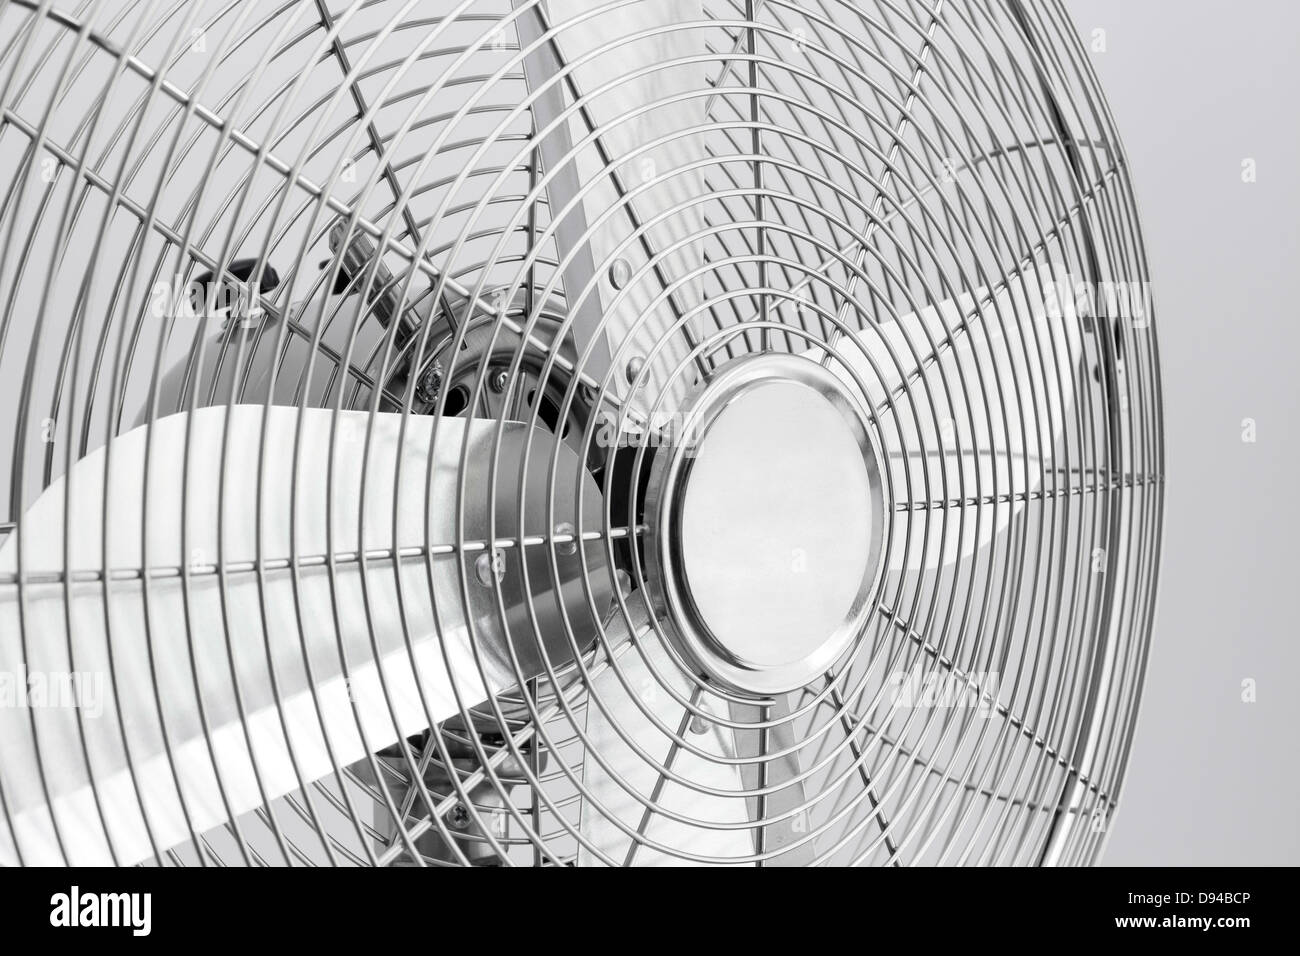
[(238, 647)]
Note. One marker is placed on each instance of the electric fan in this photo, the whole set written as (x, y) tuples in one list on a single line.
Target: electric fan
[(568, 432)]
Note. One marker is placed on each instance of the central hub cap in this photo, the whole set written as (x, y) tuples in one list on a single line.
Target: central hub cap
[(764, 524)]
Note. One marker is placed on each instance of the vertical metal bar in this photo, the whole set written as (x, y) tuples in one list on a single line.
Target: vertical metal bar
[(860, 259), (545, 62), (756, 142), (757, 743), (555, 151), (530, 294)]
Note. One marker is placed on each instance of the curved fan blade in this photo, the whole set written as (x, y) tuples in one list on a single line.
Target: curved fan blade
[(610, 784), (768, 771), (996, 433), (324, 674), (611, 781), (629, 261), (998, 409)]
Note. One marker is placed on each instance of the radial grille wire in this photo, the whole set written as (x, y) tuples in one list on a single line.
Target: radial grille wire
[(863, 161)]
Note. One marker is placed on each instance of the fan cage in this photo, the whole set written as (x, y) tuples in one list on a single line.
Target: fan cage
[(866, 160)]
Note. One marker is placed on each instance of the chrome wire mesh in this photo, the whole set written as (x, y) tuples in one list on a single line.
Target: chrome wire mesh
[(864, 161)]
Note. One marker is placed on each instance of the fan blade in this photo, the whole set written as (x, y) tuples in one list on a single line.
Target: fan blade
[(172, 747), (630, 267), (983, 384), (616, 719), (779, 771)]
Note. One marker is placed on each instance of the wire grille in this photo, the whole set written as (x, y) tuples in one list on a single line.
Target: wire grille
[(862, 161)]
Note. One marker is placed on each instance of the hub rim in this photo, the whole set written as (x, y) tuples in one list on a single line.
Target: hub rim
[(764, 525)]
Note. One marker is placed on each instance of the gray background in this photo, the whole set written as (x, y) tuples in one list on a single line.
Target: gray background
[(1196, 87)]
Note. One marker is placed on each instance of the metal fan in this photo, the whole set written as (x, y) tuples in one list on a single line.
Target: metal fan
[(568, 432)]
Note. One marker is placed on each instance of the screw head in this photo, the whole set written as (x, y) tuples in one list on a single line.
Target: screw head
[(430, 383), (458, 817), (620, 273), (497, 382), (490, 566), (635, 365)]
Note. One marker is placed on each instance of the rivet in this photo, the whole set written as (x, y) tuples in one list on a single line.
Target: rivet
[(489, 566), (620, 273)]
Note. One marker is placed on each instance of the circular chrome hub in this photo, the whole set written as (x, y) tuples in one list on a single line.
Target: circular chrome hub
[(764, 524)]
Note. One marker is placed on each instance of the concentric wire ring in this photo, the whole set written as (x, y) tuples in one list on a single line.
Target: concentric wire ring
[(758, 175)]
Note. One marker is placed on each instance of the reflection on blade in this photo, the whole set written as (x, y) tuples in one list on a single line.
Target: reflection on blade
[(610, 147), (1000, 406), (320, 665), (622, 772)]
